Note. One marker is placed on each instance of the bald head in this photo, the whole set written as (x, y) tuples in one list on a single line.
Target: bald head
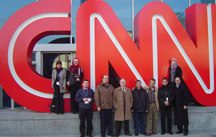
[(122, 82)]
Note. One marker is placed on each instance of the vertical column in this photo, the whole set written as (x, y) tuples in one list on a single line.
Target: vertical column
[(12, 103), (132, 11), (1, 97), (39, 65)]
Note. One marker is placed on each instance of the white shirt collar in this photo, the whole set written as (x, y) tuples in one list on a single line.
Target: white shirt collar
[(123, 89)]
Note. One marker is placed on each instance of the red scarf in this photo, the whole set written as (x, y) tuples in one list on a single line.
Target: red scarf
[(73, 67)]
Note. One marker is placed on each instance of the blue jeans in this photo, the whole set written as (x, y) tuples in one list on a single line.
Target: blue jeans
[(139, 116)]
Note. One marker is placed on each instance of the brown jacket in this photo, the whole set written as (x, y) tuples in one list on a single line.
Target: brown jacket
[(103, 96), (156, 96), (119, 106)]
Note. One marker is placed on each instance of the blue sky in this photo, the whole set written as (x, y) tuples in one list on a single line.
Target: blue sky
[(122, 8)]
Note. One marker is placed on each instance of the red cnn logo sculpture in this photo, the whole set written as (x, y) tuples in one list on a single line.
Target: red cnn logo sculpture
[(102, 39)]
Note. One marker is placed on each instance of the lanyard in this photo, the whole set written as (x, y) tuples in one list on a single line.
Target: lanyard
[(86, 93)]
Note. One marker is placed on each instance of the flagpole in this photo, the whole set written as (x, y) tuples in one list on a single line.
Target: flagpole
[(71, 38), (132, 11)]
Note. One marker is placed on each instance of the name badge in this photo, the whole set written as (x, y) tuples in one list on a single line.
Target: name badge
[(57, 83), (86, 102)]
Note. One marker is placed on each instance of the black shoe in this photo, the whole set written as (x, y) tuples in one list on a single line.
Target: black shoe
[(162, 133), (136, 134), (179, 132), (90, 135), (170, 132), (102, 135), (144, 133), (111, 135), (82, 136), (128, 134), (117, 135), (185, 133), (73, 112)]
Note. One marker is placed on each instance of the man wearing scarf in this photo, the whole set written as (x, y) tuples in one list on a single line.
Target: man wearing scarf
[(103, 101), (166, 98), (77, 71)]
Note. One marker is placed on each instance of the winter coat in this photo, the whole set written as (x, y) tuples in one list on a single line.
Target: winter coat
[(119, 104), (165, 92), (140, 100), (181, 99)]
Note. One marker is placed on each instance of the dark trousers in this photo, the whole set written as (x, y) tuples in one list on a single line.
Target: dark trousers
[(180, 128), (166, 112), (59, 102), (74, 105), (118, 127), (106, 120), (139, 116), (86, 113)]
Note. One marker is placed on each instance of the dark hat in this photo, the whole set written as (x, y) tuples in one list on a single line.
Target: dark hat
[(58, 62)]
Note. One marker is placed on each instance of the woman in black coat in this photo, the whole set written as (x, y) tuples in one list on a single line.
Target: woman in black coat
[(77, 71), (174, 71)]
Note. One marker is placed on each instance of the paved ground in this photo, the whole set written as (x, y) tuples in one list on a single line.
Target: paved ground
[(199, 128), (200, 133)]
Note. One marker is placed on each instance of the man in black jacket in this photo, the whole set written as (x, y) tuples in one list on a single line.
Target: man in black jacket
[(181, 92), (166, 97), (140, 107)]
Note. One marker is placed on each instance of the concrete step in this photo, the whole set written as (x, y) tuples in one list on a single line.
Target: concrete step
[(24, 122)]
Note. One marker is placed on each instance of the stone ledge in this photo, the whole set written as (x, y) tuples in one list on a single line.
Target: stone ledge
[(24, 122)]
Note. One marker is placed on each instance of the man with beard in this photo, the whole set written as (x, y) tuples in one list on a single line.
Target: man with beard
[(103, 101), (181, 92)]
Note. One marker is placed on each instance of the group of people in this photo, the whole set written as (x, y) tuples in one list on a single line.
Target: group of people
[(143, 102), (60, 80)]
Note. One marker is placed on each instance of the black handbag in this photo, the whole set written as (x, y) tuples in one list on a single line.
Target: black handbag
[(71, 79)]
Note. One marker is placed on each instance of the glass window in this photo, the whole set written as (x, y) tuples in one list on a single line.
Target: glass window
[(122, 9), (196, 1), (178, 6), (33, 56), (50, 59), (138, 4), (203, 1), (75, 6)]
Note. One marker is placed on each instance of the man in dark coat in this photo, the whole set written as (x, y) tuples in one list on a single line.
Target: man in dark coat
[(140, 107), (166, 98), (180, 106)]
